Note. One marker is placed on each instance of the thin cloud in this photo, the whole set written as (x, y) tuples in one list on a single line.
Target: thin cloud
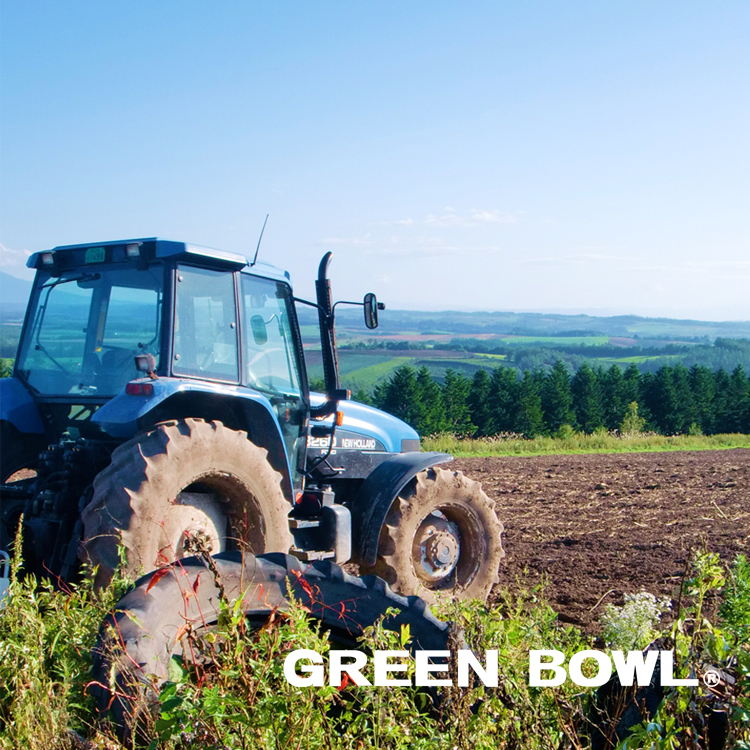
[(701, 267), (356, 241), (449, 217), (428, 247), (10, 258), (714, 269), (475, 217), (569, 259), (495, 217)]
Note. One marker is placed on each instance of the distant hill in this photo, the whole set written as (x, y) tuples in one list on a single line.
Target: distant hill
[(466, 342), (13, 291), (473, 340), (394, 322)]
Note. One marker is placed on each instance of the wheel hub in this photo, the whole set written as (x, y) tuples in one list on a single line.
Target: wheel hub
[(437, 548)]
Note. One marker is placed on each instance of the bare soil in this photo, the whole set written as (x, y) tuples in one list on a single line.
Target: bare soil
[(596, 527)]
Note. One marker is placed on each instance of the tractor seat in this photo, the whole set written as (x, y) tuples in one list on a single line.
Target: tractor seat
[(117, 367)]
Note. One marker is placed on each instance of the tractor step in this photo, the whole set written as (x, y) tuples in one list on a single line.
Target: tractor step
[(310, 555), (304, 523)]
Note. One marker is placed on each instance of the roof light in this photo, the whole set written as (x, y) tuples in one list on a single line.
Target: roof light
[(133, 250), (48, 259)]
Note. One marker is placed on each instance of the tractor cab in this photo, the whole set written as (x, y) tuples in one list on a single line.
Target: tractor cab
[(95, 310)]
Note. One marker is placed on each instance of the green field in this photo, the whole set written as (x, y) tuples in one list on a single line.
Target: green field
[(554, 340), (580, 443), (366, 370), (367, 377)]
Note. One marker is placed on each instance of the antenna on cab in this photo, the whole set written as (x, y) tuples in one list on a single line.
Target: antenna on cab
[(259, 239)]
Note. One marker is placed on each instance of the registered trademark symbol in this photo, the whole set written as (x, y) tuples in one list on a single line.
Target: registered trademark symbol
[(711, 678)]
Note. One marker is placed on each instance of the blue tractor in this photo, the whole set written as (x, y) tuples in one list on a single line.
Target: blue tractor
[(160, 401)]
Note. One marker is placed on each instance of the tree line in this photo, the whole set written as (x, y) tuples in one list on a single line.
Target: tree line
[(673, 400)]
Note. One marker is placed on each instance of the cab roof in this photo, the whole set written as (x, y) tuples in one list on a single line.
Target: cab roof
[(154, 248)]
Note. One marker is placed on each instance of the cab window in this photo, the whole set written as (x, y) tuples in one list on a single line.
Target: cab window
[(270, 362), (205, 326)]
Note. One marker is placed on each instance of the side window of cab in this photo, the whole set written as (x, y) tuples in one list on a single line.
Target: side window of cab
[(270, 360), (205, 325)]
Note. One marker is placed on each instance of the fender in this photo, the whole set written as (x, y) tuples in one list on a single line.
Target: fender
[(377, 494), (236, 407), (18, 407)]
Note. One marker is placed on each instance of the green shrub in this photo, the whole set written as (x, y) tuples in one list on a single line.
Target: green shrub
[(564, 432), (682, 720), (632, 423), (735, 610), (242, 699), (694, 429)]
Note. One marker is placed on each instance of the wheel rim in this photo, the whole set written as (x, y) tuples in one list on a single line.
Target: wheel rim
[(199, 524), (448, 547)]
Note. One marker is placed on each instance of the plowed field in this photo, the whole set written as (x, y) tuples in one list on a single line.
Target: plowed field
[(599, 526)]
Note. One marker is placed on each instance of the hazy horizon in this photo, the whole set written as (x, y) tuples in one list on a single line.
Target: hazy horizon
[(593, 312)]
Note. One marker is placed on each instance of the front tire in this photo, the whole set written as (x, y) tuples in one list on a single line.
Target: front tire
[(180, 480), (441, 535)]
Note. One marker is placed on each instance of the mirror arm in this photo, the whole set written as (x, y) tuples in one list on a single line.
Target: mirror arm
[(346, 302), (321, 311), (306, 302)]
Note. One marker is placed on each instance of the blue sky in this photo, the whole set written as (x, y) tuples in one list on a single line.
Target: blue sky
[(581, 156)]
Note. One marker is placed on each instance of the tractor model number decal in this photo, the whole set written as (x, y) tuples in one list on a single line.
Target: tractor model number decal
[(320, 442)]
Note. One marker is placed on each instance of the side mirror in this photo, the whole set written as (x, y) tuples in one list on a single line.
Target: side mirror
[(371, 310), (258, 327)]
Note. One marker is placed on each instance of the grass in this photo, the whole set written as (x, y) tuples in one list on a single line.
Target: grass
[(239, 698), (46, 637), (599, 442)]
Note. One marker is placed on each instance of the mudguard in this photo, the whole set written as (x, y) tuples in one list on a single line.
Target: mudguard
[(377, 494), (18, 407), (123, 415), (173, 398)]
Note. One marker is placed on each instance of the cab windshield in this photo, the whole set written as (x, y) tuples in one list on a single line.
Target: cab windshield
[(85, 328)]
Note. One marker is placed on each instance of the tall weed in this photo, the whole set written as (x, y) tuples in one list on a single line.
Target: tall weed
[(46, 637)]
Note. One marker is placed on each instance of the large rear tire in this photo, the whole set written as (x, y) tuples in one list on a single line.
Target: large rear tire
[(441, 535), (181, 480), (137, 643)]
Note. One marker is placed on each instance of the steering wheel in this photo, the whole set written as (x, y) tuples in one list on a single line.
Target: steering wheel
[(208, 360)]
